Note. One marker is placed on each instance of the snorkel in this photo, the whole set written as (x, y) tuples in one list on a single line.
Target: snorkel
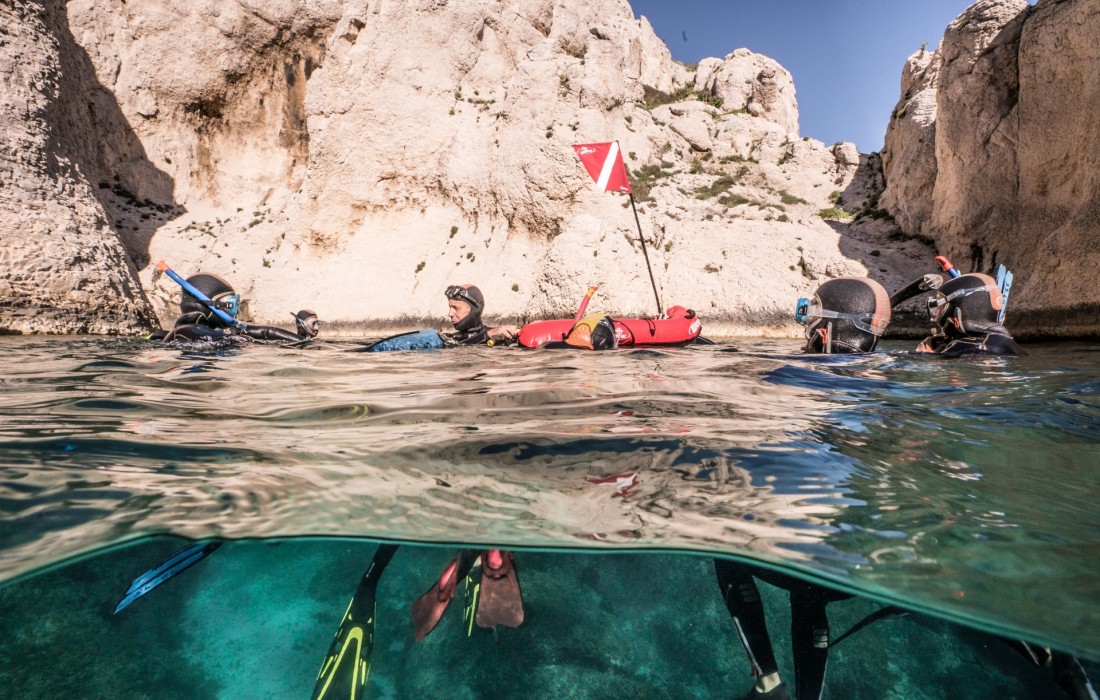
[(207, 301), (584, 303), (947, 266)]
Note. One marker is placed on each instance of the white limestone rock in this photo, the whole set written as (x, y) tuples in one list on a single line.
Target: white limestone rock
[(357, 156), (1010, 176), (62, 268)]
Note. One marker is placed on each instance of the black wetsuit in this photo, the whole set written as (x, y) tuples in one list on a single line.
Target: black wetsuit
[(478, 335), (993, 340), (809, 623), (195, 327)]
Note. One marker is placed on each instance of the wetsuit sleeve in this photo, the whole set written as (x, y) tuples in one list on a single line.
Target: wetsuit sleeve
[(270, 333), (191, 319), (993, 344), (1003, 345), (477, 336), (191, 327), (195, 332), (474, 336)]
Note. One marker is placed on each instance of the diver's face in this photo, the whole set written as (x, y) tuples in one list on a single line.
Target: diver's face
[(457, 310)]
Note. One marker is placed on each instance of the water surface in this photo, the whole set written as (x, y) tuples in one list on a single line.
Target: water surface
[(964, 489)]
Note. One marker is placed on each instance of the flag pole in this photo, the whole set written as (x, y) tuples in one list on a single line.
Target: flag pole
[(605, 163), (646, 254)]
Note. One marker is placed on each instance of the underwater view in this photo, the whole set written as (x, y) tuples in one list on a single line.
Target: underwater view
[(943, 510)]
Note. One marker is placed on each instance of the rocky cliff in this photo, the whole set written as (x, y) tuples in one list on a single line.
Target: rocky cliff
[(62, 265), (356, 156), (994, 149)]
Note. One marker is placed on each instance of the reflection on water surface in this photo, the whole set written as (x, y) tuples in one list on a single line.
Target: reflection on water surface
[(961, 488)]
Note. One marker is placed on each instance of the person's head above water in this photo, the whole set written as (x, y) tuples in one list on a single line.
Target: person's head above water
[(967, 305), (218, 291), (593, 332), (465, 303), (845, 315)]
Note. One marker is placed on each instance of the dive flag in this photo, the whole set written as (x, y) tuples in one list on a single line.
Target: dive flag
[(604, 162)]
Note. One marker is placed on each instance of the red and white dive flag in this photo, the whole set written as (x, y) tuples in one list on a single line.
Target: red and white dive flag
[(604, 162)]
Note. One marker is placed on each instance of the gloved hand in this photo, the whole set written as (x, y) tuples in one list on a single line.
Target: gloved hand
[(307, 323), (930, 282)]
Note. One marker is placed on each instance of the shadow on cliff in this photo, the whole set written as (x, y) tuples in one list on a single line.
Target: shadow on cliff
[(95, 135), (873, 237)]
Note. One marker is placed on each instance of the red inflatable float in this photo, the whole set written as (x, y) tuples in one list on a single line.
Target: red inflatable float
[(681, 327)]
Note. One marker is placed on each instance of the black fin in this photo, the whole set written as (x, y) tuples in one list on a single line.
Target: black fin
[(347, 664)]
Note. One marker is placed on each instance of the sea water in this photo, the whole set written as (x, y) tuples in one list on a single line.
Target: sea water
[(961, 490)]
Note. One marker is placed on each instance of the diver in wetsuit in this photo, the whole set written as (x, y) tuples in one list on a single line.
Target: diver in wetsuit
[(593, 332), (198, 322), (964, 313), (499, 599), (465, 303), (845, 315)]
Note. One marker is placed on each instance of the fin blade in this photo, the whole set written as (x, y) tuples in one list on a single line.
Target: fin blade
[(428, 609), (1004, 281), (346, 666), (175, 564), (501, 601)]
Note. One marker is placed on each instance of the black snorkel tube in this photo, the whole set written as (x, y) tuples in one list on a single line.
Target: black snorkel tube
[(927, 283), (207, 301)]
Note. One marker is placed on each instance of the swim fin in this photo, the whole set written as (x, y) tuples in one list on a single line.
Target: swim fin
[(181, 560), (472, 595), (428, 608), (500, 601), (886, 613), (347, 664), (1004, 283)]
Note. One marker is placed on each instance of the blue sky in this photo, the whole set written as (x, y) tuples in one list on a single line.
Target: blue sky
[(846, 56)]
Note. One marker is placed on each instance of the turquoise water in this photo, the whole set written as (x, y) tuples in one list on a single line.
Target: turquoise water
[(963, 490)]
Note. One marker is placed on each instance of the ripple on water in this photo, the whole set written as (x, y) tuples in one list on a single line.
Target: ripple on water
[(905, 477)]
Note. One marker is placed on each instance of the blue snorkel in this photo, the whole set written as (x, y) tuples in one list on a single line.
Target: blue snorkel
[(190, 289), (947, 266)]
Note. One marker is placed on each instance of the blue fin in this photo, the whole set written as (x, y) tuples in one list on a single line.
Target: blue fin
[(426, 339), (181, 560), (1004, 281)]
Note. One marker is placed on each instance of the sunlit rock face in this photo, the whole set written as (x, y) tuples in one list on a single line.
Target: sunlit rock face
[(994, 151), (355, 157), (62, 266)]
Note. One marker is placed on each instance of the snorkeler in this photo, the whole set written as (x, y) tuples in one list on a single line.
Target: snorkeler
[(209, 320), (964, 314), (845, 315), (593, 332), (497, 598), (465, 303)]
